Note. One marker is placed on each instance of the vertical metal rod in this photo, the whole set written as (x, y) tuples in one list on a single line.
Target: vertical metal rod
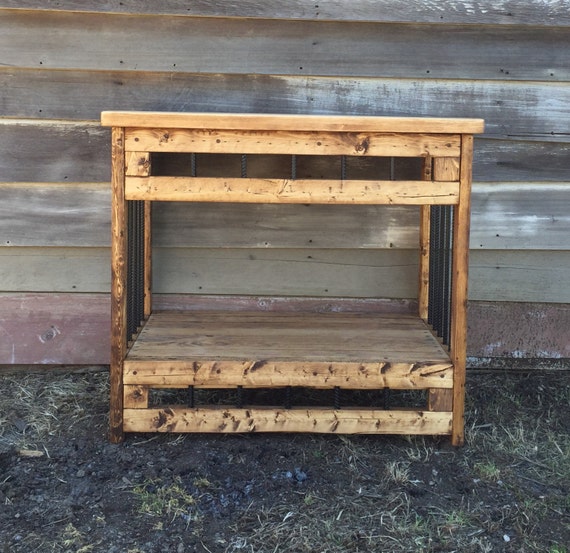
[(191, 398), (343, 167), (449, 275), (432, 264), (193, 166), (386, 399), (244, 166), (140, 262), (288, 397), (337, 398), (130, 271), (293, 166)]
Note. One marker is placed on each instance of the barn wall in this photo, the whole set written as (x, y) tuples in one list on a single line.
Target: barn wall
[(62, 63)]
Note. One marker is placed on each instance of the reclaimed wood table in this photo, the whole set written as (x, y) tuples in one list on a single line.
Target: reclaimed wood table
[(252, 350)]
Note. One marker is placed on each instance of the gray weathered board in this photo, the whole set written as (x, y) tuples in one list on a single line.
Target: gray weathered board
[(63, 62)]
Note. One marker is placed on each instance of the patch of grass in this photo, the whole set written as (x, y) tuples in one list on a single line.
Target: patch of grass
[(488, 470), (398, 472), (40, 406), (166, 500)]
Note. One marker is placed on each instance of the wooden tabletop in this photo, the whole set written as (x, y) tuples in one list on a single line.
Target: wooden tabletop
[(273, 122)]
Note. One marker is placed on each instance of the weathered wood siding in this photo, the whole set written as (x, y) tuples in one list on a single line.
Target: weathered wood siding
[(63, 62)]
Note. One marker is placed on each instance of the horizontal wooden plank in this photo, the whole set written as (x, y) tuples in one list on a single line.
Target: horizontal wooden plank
[(495, 275), (80, 152), (352, 273), (290, 134), (294, 191), (55, 269), (285, 342), (308, 130), (504, 216), (519, 330), (516, 216), (494, 12), (503, 12), (161, 43), (510, 275), (54, 151), (314, 374), (530, 109), (54, 329), (75, 328), (55, 214), (231, 420)]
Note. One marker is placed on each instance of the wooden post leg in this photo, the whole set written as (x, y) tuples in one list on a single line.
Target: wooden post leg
[(460, 268), (425, 210), (118, 286), (447, 169)]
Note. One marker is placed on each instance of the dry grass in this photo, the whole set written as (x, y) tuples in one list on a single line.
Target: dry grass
[(508, 489), (35, 407)]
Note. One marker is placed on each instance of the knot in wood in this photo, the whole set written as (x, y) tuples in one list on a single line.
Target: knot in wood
[(362, 146)]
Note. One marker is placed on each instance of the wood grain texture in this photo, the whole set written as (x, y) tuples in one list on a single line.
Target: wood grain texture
[(293, 191), (508, 216), (79, 152), (459, 279), (505, 216), (62, 151), (271, 134), (533, 110), (56, 329), (230, 420), (256, 338), (160, 43), (119, 270), (495, 275), (502, 12), (268, 374)]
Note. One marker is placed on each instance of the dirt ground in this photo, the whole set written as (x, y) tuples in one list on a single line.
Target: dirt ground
[(64, 488)]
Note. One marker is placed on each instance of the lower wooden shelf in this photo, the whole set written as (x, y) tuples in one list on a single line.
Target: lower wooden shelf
[(276, 350), (268, 349)]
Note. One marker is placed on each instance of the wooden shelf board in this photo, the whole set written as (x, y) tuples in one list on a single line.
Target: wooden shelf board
[(269, 349)]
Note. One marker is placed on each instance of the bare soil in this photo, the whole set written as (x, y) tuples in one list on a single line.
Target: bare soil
[(65, 488)]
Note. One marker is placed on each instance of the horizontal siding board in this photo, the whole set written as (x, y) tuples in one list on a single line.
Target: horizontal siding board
[(350, 273), (494, 275), (494, 12), (55, 269), (541, 330), (55, 214), (510, 109), (62, 40), (54, 329), (521, 216), (75, 329), (81, 152), (40, 151), (519, 276)]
